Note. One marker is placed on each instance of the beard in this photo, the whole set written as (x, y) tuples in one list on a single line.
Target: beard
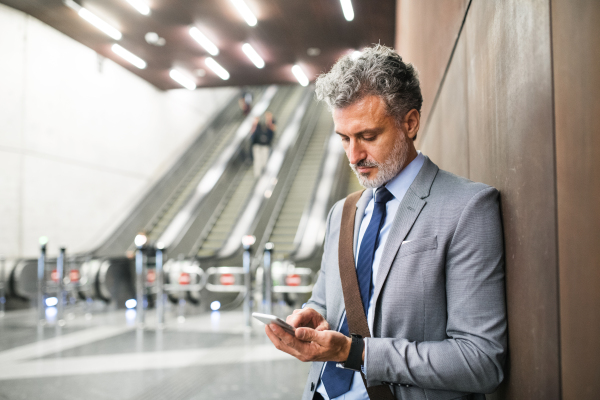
[(387, 169)]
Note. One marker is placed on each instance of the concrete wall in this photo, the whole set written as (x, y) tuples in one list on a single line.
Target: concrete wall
[(516, 106), (81, 138)]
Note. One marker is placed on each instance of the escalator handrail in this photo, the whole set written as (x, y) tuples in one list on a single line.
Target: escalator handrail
[(312, 232)]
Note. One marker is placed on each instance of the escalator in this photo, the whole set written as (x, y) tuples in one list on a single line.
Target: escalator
[(303, 180), (216, 232)]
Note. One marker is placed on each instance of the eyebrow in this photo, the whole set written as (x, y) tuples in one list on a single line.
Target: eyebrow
[(365, 131)]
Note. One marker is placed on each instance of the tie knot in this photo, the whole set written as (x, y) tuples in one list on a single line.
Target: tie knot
[(382, 195)]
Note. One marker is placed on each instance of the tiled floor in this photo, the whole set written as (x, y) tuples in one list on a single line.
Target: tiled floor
[(209, 356)]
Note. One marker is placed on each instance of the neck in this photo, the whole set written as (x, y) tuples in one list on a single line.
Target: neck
[(412, 154)]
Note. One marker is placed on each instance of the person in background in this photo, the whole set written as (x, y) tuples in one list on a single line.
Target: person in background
[(245, 101), (261, 139)]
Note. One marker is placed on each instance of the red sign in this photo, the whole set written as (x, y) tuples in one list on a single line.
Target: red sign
[(227, 279), (151, 276), (184, 278), (74, 275), (54, 275), (293, 280)]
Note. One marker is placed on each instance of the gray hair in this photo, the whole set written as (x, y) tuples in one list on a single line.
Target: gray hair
[(377, 70)]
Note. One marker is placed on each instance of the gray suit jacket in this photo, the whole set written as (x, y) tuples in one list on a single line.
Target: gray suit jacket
[(440, 315)]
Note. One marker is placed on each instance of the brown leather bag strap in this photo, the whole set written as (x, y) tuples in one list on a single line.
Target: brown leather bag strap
[(355, 313)]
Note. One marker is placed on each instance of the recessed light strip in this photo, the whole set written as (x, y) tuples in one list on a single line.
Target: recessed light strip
[(128, 56), (216, 68), (204, 41), (245, 12), (253, 55), (140, 6), (347, 9), (94, 20), (182, 79), (300, 75)]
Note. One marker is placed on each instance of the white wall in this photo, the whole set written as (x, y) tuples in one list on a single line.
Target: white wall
[(80, 139)]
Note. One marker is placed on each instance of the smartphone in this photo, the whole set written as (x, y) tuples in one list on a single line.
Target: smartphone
[(272, 319)]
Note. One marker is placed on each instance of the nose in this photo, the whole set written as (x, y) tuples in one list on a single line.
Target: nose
[(354, 151)]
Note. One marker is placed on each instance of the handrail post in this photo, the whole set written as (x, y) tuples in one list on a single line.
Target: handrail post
[(60, 287), (41, 274), (160, 301), (268, 277), (140, 241), (247, 242), (2, 286)]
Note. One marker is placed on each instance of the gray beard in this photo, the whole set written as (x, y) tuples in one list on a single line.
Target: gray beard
[(387, 170)]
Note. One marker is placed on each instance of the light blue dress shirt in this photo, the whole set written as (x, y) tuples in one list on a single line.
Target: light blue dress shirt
[(397, 187)]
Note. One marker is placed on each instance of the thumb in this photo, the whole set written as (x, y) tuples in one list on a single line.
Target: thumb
[(307, 334)]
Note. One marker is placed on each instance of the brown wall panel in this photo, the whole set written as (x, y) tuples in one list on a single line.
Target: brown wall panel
[(425, 35), (511, 147), (576, 49), (445, 138), (493, 122)]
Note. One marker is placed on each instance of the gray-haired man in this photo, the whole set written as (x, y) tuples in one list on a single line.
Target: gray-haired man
[(428, 252)]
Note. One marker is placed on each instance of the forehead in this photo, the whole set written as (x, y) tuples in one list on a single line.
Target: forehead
[(365, 114)]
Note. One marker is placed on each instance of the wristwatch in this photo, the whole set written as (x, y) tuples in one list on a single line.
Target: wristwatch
[(354, 360)]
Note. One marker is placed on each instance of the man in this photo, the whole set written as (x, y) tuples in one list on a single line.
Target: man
[(261, 139), (427, 251)]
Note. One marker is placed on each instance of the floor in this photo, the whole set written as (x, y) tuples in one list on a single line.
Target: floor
[(104, 356)]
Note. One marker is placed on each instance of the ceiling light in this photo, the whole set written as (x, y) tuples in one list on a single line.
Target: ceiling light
[(155, 40), (253, 55), (300, 75), (141, 6), (203, 41), (347, 9), (245, 12), (182, 79), (313, 51), (129, 56), (217, 69), (94, 20)]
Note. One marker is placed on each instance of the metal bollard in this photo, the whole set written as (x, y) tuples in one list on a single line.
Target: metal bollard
[(268, 277), (160, 297), (41, 284), (140, 281), (2, 286), (247, 242), (60, 287)]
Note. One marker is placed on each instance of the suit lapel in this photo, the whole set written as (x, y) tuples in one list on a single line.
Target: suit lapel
[(410, 208)]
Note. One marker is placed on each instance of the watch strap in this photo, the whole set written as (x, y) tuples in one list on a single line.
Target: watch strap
[(354, 360)]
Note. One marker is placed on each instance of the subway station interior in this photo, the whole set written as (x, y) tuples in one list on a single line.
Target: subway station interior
[(140, 227)]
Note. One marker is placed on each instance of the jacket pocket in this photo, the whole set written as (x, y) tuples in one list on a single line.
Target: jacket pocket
[(418, 245)]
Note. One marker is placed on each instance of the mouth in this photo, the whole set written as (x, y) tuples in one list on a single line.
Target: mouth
[(364, 170)]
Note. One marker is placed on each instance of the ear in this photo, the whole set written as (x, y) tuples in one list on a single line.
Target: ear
[(412, 122)]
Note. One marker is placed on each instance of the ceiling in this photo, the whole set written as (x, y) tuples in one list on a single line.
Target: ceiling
[(286, 29)]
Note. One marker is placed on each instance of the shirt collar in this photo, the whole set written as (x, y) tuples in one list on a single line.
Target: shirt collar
[(399, 185)]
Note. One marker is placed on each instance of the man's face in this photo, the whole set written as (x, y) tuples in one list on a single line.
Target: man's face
[(376, 148)]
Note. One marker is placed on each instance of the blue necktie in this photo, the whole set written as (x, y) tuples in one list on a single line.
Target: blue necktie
[(337, 381)]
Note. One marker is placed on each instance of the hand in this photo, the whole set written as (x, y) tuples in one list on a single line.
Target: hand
[(310, 344), (307, 317)]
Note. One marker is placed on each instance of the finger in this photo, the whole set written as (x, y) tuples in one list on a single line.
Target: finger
[(308, 335), (323, 326), (283, 341)]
